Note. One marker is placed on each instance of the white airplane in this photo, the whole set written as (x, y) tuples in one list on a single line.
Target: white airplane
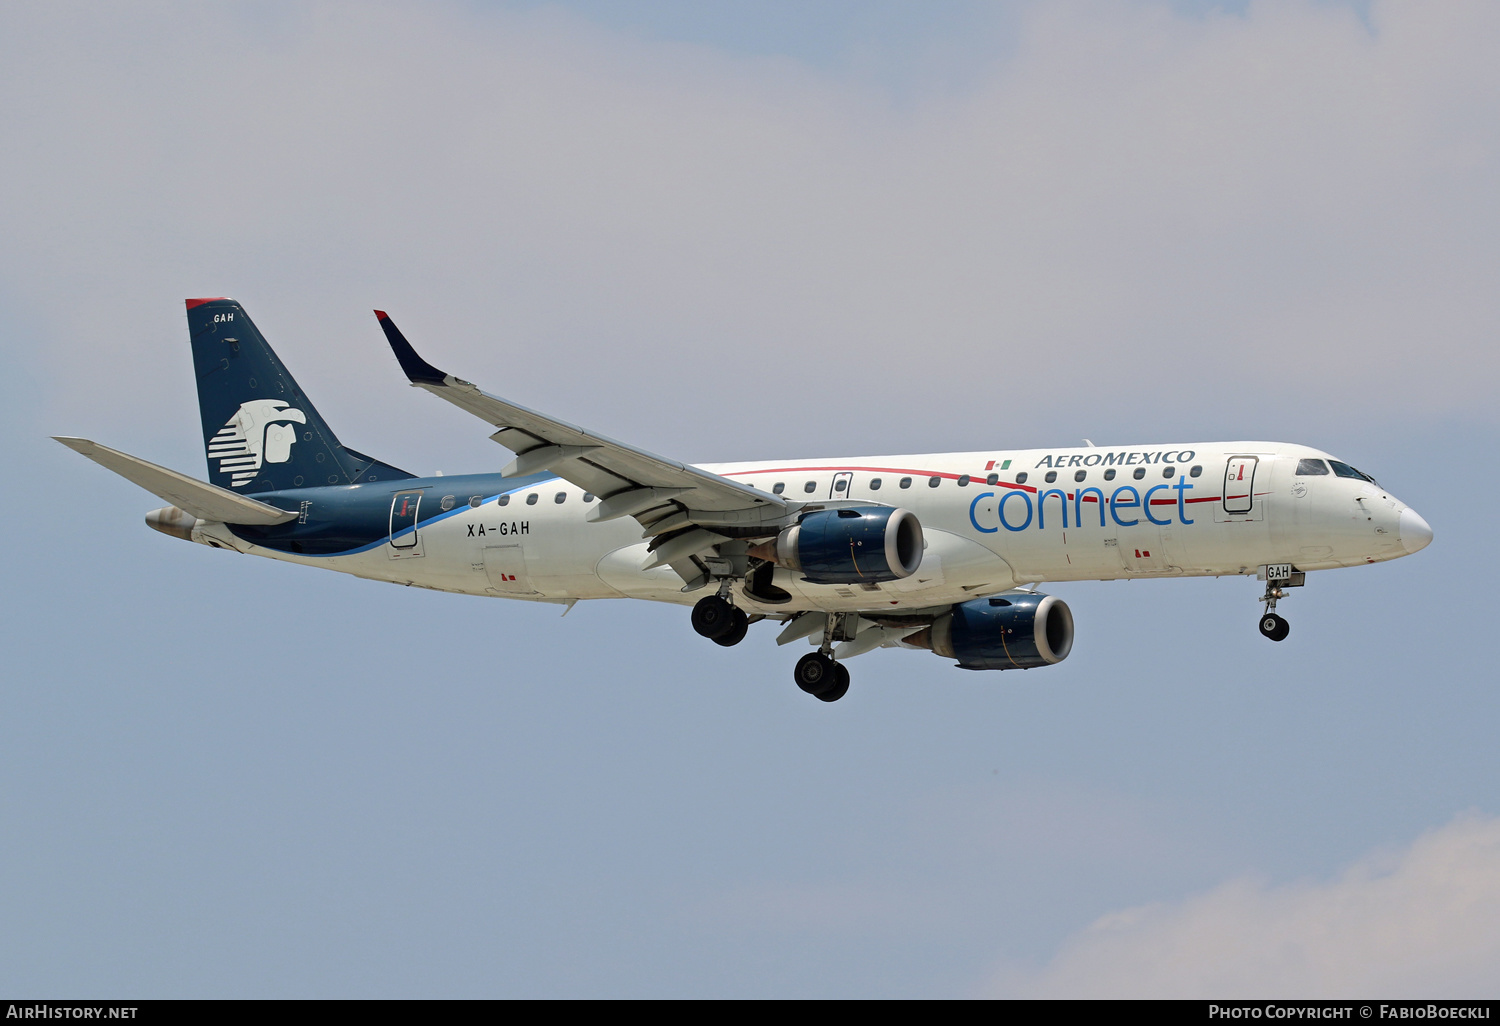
[(939, 552)]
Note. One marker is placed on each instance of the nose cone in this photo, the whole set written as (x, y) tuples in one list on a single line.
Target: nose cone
[(1415, 534)]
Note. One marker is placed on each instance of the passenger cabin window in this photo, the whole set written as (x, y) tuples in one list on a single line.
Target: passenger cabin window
[(992, 480), (906, 482), (963, 480), (934, 481), (1311, 468), (1021, 477), (1051, 476), (810, 487), (874, 484), (504, 500), (475, 500), (531, 499), (840, 485), (1079, 475), (560, 498), (1109, 475), (588, 496), (778, 488), (1168, 471), (1140, 472), (1196, 472)]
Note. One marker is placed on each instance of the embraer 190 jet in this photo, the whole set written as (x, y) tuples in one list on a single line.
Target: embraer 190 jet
[(939, 552)]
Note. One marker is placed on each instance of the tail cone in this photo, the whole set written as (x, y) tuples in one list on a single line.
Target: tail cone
[(173, 521)]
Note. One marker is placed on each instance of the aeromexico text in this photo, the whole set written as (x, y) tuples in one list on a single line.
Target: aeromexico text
[(1117, 459)]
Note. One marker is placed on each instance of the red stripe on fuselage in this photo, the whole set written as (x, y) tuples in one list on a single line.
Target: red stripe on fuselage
[(955, 477)]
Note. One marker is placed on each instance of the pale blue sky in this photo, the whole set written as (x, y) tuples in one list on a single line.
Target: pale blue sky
[(225, 776)]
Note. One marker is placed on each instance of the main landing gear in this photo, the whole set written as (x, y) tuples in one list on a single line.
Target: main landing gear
[(817, 673), (719, 621), (821, 677)]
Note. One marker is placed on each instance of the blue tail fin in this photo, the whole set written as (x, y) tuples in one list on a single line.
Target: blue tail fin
[(259, 429)]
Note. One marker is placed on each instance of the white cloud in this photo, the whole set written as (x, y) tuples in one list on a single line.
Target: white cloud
[(1133, 216), (954, 863), (1424, 922)]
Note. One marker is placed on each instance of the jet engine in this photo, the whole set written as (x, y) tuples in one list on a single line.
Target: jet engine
[(849, 546), (1015, 631)]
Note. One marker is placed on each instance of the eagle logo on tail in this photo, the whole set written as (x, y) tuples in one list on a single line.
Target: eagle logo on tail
[(260, 432)]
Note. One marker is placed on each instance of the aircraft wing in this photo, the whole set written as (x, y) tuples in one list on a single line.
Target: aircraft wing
[(628, 481), (203, 500)]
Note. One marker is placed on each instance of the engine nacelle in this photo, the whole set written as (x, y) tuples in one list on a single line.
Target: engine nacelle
[(849, 546), (1015, 631)]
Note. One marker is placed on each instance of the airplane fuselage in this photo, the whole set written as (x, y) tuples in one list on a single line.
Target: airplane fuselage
[(992, 520)]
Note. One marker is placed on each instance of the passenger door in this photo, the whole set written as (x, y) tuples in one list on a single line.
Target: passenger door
[(1239, 484), (841, 485)]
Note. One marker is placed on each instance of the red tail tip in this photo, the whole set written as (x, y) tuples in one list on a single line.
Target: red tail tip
[(199, 302), (382, 315)]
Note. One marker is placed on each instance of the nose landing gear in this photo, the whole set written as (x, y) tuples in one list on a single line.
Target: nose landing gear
[(1278, 577), (1275, 627)]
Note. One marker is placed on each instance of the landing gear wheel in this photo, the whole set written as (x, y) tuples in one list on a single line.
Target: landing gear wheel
[(737, 628), (840, 686), (815, 673), (713, 617), (1274, 627)]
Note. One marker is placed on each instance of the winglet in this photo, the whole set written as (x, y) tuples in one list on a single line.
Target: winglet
[(416, 368)]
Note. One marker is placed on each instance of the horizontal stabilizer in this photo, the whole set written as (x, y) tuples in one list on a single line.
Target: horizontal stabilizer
[(204, 501)]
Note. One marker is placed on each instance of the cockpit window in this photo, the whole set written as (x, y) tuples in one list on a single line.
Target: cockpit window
[(1344, 470), (1312, 467)]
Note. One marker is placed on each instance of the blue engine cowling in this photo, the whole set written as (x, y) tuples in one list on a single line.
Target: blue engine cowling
[(850, 546), (1015, 631)]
